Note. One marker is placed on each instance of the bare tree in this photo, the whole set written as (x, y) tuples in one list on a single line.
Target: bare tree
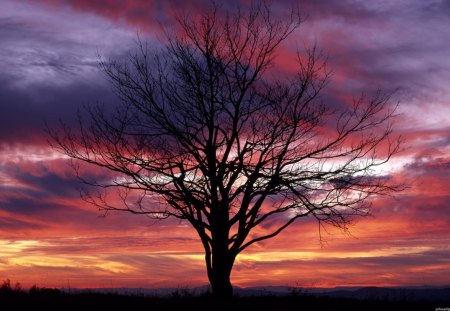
[(207, 133)]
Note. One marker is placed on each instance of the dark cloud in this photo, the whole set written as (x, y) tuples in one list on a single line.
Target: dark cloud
[(437, 166), (46, 218), (12, 224), (49, 68), (24, 114), (42, 211), (46, 184), (42, 56)]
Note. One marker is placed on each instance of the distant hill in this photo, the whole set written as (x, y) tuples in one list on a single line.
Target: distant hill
[(393, 294), (380, 293), (438, 293)]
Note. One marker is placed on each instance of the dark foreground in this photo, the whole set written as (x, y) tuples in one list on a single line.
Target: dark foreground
[(55, 300)]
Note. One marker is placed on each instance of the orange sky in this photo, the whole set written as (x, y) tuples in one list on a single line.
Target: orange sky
[(50, 237)]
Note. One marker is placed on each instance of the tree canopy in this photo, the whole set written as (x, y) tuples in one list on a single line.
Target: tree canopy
[(207, 133)]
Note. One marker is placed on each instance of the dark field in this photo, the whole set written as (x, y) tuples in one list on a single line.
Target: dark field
[(51, 299)]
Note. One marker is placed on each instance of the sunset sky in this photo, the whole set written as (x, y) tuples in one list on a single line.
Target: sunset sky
[(49, 68)]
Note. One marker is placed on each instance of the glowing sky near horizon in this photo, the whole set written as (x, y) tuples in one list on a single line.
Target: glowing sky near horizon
[(48, 69)]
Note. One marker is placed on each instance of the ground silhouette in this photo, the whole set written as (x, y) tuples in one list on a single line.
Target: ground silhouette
[(53, 299)]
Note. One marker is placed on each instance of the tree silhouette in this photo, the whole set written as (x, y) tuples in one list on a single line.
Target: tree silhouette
[(208, 132)]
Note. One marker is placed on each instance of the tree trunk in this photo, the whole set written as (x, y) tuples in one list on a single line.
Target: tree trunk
[(222, 259), (219, 275)]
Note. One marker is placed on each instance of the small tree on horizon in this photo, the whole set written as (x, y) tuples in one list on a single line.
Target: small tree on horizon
[(206, 133)]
